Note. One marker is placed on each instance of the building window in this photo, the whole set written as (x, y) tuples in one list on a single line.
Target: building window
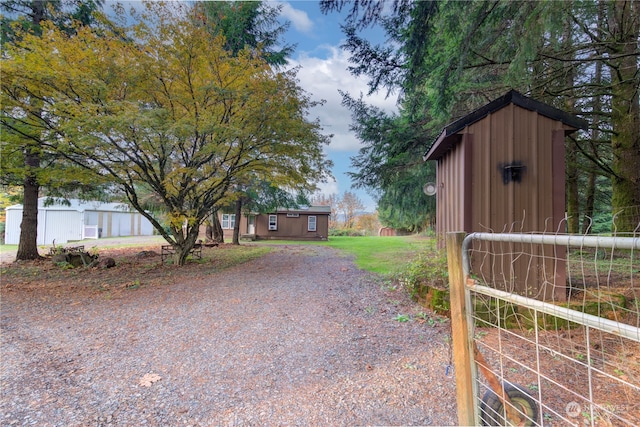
[(311, 223), (273, 222), (228, 221)]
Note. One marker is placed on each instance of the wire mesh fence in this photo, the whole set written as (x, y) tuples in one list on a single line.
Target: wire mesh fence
[(554, 328)]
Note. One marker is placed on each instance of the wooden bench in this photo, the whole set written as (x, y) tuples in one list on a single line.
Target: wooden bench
[(168, 251)]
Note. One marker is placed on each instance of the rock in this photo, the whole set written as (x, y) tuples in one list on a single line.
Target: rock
[(58, 258), (107, 263), (146, 254), (80, 259)]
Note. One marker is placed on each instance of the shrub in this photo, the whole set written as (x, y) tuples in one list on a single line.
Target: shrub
[(350, 232), (427, 270)]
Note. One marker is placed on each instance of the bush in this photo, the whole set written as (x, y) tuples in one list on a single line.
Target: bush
[(427, 270), (349, 232)]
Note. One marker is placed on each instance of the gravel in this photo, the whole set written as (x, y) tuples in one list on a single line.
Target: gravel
[(297, 337)]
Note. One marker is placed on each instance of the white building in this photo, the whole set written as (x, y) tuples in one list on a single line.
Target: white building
[(81, 220)]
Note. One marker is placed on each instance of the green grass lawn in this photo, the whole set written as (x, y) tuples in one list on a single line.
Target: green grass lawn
[(381, 255)]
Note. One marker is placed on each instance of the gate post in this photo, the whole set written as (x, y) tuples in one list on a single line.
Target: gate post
[(462, 356)]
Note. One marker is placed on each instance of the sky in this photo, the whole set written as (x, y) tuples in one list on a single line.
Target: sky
[(323, 71)]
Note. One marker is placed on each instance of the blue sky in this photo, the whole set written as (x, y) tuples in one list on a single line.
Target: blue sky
[(323, 71)]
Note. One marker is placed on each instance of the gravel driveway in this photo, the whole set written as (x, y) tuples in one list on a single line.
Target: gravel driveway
[(298, 337)]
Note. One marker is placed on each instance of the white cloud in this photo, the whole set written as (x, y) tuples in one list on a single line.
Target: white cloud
[(322, 73), (298, 18), (322, 78), (328, 188)]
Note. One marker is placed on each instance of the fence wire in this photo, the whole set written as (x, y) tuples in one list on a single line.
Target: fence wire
[(556, 319)]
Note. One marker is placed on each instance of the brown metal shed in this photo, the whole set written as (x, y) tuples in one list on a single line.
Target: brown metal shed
[(501, 169)]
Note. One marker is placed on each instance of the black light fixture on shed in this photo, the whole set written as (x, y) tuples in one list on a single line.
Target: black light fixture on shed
[(512, 172)]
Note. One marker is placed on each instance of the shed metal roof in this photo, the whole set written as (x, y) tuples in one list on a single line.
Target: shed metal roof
[(77, 205), (307, 209), (448, 139)]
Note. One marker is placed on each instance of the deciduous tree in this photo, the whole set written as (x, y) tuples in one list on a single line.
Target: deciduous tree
[(172, 111), (348, 207), (250, 25)]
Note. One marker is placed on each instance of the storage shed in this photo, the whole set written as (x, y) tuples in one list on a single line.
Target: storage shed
[(502, 168), (77, 221)]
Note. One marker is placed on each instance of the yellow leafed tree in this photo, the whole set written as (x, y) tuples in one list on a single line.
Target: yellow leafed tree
[(161, 106)]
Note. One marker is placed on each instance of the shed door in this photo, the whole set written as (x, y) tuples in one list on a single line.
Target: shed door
[(251, 224)]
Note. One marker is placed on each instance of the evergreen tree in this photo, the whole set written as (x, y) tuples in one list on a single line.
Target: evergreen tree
[(24, 146), (252, 24), (583, 57)]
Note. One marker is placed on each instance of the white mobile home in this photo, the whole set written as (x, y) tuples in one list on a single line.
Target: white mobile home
[(81, 220)]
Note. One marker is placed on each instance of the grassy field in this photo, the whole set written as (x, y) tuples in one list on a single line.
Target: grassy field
[(381, 255)]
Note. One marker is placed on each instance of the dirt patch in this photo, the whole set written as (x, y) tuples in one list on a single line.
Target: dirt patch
[(297, 337)]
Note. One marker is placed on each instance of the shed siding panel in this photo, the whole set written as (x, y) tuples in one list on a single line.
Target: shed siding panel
[(507, 136), (64, 225), (12, 226), (514, 134), (441, 220), (449, 194), (61, 226)]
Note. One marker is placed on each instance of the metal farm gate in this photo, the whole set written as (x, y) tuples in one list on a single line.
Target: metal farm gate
[(554, 343)]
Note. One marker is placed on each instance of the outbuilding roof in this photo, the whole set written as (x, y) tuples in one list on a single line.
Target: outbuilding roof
[(77, 205), (307, 209), (446, 139)]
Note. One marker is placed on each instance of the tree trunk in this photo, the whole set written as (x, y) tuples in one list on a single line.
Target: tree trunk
[(209, 231), (573, 196), (183, 246), (218, 233), (236, 227), (572, 171), (590, 198), (27, 246), (625, 114)]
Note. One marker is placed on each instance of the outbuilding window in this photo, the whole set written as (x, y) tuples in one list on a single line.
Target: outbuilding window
[(273, 222), (311, 223), (228, 221)]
